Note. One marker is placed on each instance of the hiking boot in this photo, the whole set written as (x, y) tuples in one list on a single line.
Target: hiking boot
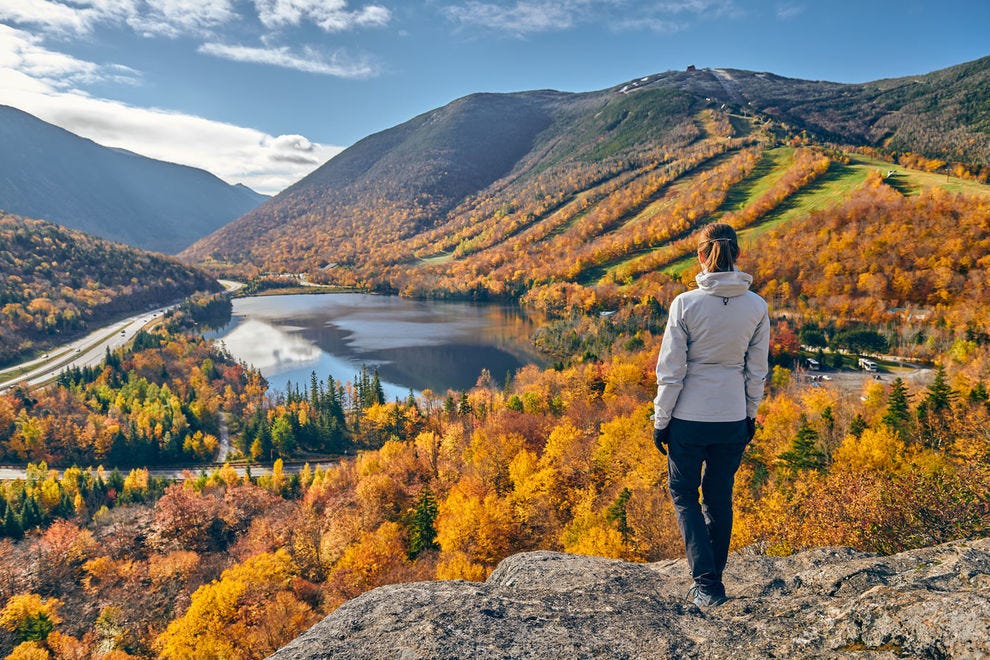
[(702, 598)]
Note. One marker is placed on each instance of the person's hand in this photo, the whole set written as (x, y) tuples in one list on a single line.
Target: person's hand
[(750, 428), (660, 438)]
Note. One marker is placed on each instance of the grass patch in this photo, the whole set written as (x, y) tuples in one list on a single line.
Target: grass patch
[(436, 259), (912, 182), (767, 172), (834, 186), (743, 126)]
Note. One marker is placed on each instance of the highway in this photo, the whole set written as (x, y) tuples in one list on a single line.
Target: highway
[(90, 351), (86, 352)]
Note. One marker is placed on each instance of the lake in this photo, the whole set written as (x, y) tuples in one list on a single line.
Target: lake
[(414, 344)]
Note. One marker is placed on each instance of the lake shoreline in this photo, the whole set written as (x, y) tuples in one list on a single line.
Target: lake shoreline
[(415, 344)]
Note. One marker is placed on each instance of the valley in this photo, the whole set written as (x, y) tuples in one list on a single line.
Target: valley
[(562, 222)]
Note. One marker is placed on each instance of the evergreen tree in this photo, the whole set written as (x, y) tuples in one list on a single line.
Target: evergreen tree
[(422, 531), (12, 524), (828, 429), (618, 513), (377, 393), (464, 407), (933, 410), (30, 514), (898, 415), (314, 392), (837, 360), (979, 393), (857, 425), (261, 446), (804, 453), (35, 628), (940, 395)]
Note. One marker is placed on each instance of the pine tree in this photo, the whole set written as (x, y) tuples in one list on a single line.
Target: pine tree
[(377, 393), (898, 415), (30, 514), (857, 425), (804, 453), (314, 392), (979, 393), (940, 395), (933, 410), (618, 513), (422, 531), (12, 525)]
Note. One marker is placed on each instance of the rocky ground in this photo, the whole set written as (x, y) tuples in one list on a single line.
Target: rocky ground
[(826, 602)]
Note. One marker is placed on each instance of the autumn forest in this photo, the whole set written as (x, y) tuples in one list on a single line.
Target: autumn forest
[(860, 250)]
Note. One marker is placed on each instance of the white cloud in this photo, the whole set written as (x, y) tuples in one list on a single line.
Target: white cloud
[(330, 15), (521, 18), (170, 18), (174, 18), (658, 25), (309, 60), (31, 80), (22, 51), (787, 11), (533, 16), (52, 15)]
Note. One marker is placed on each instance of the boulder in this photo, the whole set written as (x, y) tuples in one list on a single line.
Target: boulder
[(825, 602)]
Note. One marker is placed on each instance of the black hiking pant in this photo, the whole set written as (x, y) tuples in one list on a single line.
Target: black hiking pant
[(705, 454)]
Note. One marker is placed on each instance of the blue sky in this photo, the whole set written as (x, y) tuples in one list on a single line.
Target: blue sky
[(263, 91)]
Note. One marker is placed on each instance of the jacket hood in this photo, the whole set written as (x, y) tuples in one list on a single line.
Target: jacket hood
[(727, 284)]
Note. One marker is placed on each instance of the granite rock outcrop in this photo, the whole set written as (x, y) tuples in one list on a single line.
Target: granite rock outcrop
[(825, 602)]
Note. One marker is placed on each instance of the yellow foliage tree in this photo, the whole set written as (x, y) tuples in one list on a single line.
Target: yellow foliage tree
[(29, 651), (877, 449), (30, 617), (231, 618), (480, 525)]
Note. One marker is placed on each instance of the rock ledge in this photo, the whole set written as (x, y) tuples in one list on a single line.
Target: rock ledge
[(826, 602)]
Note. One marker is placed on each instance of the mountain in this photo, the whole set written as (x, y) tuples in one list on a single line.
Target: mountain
[(516, 181), (56, 283), (824, 602), (48, 172)]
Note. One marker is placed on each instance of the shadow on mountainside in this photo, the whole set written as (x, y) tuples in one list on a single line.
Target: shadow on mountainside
[(825, 602)]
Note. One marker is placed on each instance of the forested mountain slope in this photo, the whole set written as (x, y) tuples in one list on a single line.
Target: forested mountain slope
[(56, 282), (47, 172), (406, 206)]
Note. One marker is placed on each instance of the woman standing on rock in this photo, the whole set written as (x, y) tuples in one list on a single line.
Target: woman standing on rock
[(710, 379)]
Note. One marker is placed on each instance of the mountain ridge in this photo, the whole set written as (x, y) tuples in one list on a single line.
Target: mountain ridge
[(49, 172), (424, 173)]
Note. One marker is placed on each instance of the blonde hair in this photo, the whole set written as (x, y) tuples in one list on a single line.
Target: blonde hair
[(718, 247)]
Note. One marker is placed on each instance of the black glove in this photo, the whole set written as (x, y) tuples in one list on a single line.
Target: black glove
[(750, 428), (660, 438)]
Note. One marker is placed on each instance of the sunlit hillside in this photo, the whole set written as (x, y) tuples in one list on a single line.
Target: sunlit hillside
[(57, 283), (574, 187)]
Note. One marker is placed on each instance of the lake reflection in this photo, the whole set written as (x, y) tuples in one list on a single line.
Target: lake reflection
[(414, 344)]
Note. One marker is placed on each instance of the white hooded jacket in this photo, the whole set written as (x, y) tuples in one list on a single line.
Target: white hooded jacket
[(713, 357)]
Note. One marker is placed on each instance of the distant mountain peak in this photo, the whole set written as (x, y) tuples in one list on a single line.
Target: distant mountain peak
[(51, 173)]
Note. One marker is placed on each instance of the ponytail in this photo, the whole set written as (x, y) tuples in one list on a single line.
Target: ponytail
[(718, 247)]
